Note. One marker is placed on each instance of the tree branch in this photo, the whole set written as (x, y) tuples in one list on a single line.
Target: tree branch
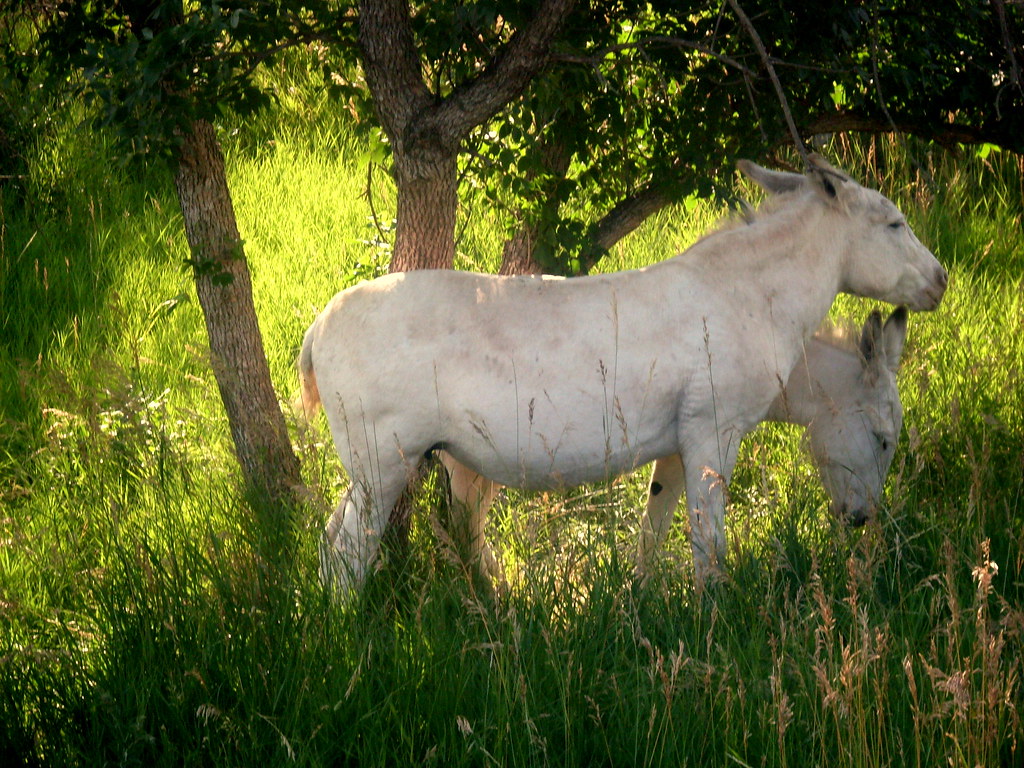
[(628, 214), (1008, 43), (766, 59), (948, 135), (654, 41), (475, 102), (392, 64)]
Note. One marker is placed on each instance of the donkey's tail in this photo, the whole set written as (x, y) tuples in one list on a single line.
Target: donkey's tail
[(308, 401)]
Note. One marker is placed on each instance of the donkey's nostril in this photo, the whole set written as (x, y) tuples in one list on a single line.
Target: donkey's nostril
[(942, 277), (856, 518)]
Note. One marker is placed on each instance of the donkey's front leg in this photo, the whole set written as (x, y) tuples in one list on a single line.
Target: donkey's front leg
[(708, 468)]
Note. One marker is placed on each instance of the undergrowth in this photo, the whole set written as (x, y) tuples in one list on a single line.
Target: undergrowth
[(142, 622)]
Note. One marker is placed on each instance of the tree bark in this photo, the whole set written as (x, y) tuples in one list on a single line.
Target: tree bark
[(427, 204), (517, 253), (518, 256), (947, 135), (224, 287), (425, 164)]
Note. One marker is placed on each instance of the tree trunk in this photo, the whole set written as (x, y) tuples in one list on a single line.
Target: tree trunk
[(517, 253), (269, 466), (426, 130), (427, 204)]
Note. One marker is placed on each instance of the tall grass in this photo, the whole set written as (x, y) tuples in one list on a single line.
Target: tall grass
[(137, 626)]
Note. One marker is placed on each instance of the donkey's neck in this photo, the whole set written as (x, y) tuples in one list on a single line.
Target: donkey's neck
[(816, 382), (792, 257), (800, 239)]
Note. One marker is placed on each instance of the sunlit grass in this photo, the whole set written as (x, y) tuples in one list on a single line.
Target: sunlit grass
[(138, 624)]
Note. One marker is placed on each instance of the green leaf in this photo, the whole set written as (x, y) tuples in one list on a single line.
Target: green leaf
[(984, 150)]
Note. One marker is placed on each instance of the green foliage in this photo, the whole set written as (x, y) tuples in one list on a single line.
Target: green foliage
[(149, 70), (650, 105), (638, 95), (669, 95)]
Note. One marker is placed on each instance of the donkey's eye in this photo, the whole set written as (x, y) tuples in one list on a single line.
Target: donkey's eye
[(896, 225)]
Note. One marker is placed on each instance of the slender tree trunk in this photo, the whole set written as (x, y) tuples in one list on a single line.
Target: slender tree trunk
[(517, 253), (269, 465)]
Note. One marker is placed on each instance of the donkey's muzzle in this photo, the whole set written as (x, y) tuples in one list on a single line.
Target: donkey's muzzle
[(934, 292), (854, 518)]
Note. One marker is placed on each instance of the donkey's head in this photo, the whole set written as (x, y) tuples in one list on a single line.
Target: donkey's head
[(880, 257), (853, 436)]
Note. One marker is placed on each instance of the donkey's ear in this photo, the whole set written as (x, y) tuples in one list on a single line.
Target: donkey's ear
[(772, 182), (894, 335), (871, 338), (747, 212), (830, 182)]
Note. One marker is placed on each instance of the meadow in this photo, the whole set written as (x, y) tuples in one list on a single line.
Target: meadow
[(141, 622)]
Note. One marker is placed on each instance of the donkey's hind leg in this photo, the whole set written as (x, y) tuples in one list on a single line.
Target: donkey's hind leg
[(668, 481), (331, 565), (351, 539)]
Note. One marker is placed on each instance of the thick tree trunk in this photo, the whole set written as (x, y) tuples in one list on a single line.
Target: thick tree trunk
[(269, 465), (427, 204), (426, 131), (425, 166)]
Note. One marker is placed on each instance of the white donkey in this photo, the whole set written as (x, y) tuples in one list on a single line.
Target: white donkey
[(540, 382), (843, 393)]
